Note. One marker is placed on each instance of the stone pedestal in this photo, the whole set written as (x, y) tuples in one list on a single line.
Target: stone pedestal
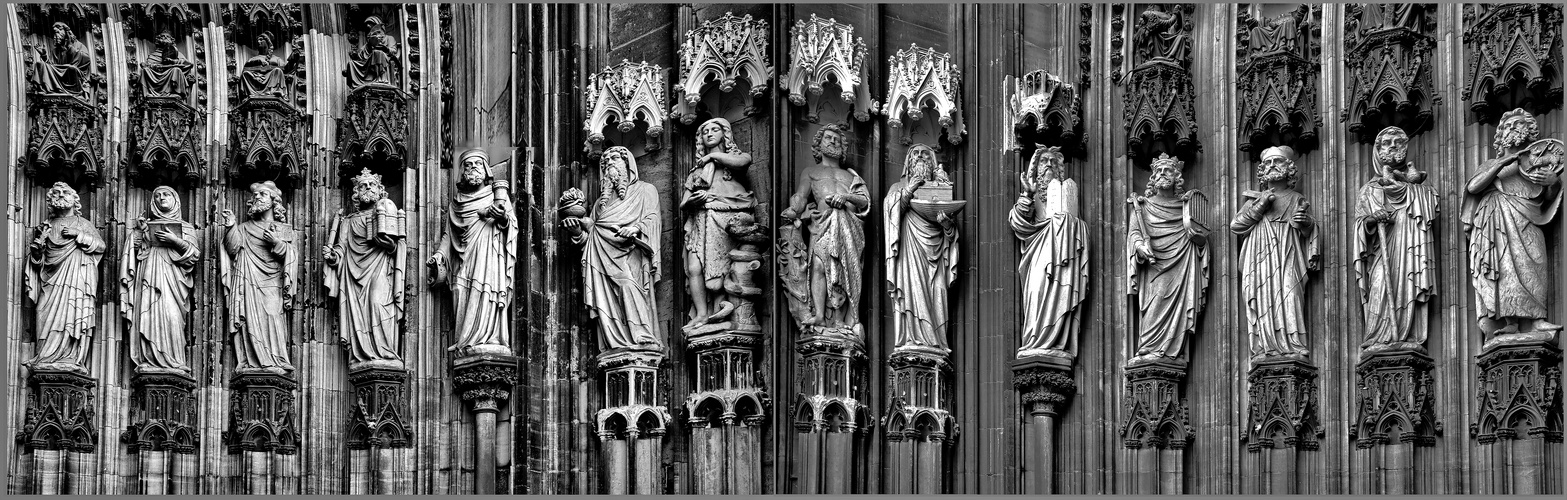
[(829, 416), (1045, 387), (163, 434), (58, 440), (919, 424), (1157, 427), (726, 413), (633, 421), (1518, 424), (263, 431), (1395, 425), (378, 435), (485, 381), (1282, 427)]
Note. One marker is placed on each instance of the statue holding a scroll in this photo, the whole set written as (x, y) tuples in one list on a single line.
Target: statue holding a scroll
[(365, 273), (156, 284), (1280, 247), (62, 283), (1167, 260)]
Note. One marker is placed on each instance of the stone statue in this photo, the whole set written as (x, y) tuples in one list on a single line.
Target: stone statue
[(156, 285), (716, 202), (1395, 248), (258, 266), (1161, 35), (476, 257), (165, 72), (263, 72), (1167, 258), (1054, 266), (823, 279), (620, 254), (374, 58), (62, 283), (365, 273), (61, 68), (921, 253), (1280, 246), (1282, 33), (1506, 203)]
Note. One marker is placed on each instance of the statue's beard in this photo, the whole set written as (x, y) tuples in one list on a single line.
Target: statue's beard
[(833, 151), (921, 170), (1164, 181), (259, 207), (471, 181), (1515, 137), (1275, 174), (61, 204), (1392, 156), (614, 182)]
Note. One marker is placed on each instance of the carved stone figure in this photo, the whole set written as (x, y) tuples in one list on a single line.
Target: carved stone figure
[(1167, 258), (823, 279), (921, 252), (165, 72), (373, 60), (1506, 203), (1395, 248), (1053, 269), (62, 283), (715, 200), (620, 254), (263, 72), (476, 257), (259, 269), (365, 273), (61, 68), (1280, 246), (1161, 35), (156, 284)]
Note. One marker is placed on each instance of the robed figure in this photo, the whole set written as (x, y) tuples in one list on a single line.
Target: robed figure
[(921, 254), (822, 271), (715, 202), (476, 257), (62, 67), (620, 255), (1280, 246), (1506, 203), (263, 73), (164, 71), (259, 268), (1395, 248), (62, 283), (1167, 258), (155, 285), (365, 272), (373, 60), (1053, 270)]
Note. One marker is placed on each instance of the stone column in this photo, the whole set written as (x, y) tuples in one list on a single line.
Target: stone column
[(485, 381), (1044, 383), (1281, 426), (1518, 423), (830, 415), (377, 429), (919, 425)]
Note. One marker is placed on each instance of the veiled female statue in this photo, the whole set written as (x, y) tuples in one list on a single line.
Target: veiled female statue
[(155, 285), (62, 283), (922, 255), (620, 255), (1053, 270), (1280, 247)]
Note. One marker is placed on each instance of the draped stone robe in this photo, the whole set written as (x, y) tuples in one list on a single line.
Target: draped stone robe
[(1395, 263), (368, 283), (835, 244), (1053, 269), (619, 274), (259, 278), (64, 69), (1171, 291), (1509, 262), (1274, 260), (263, 75), (922, 261), (155, 289), (62, 282), (482, 255), (164, 73)]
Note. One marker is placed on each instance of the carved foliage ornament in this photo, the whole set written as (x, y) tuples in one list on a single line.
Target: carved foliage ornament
[(918, 78), (1159, 111), (722, 51), (1388, 52), (1511, 47), (266, 91), (168, 87), (621, 94), (1279, 62), (66, 97), (1042, 109), (823, 50)]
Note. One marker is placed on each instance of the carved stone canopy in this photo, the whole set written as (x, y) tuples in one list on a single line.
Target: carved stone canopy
[(1042, 109), (168, 88), (373, 133), (66, 103), (1159, 111), (1388, 52), (918, 78), (722, 51), (621, 94), (266, 94), (1279, 63), (1515, 53), (823, 51)]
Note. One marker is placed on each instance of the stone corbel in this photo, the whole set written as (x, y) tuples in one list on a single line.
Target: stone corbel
[(621, 94), (823, 51), (722, 51), (918, 78), (1515, 46), (1390, 67), (1042, 109)]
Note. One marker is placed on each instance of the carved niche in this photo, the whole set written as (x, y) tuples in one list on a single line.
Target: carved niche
[(1515, 53), (1041, 109), (621, 94), (920, 77), (66, 98), (1387, 48), (373, 132), (266, 91), (1159, 110), (722, 51), (1279, 61), (823, 51), (166, 56)]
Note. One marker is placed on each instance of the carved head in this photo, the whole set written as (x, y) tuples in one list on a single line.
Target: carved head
[(62, 33), (1046, 165), (715, 135), (617, 169), (63, 199), (264, 43), (265, 198), (1166, 175), (1516, 129), (164, 39), (1392, 146), (831, 141), (368, 188), (920, 164), (165, 203), (1278, 165), (475, 169), (374, 25)]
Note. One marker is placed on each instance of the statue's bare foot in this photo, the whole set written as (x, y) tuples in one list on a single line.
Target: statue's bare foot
[(699, 320), (1491, 326), (724, 309), (1541, 325)]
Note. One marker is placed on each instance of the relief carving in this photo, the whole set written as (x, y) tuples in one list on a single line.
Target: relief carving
[(823, 279), (1514, 58), (365, 271), (476, 258), (62, 284), (1167, 261), (259, 268), (1279, 63), (823, 51), (1159, 110), (156, 284), (65, 93), (1395, 248), (722, 51), (921, 252), (720, 225), (1280, 247), (1053, 269), (620, 254), (621, 94), (919, 77), (1388, 50)]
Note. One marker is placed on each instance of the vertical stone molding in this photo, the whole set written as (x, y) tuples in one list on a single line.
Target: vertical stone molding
[(1395, 424), (59, 439), (919, 427), (621, 95), (1518, 421), (1387, 51), (826, 51), (1159, 108), (1279, 60), (1515, 58), (1283, 426), (164, 433), (485, 381), (1045, 387), (919, 78), (727, 411), (831, 420), (722, 51), (1156, 425), (67, 97)]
